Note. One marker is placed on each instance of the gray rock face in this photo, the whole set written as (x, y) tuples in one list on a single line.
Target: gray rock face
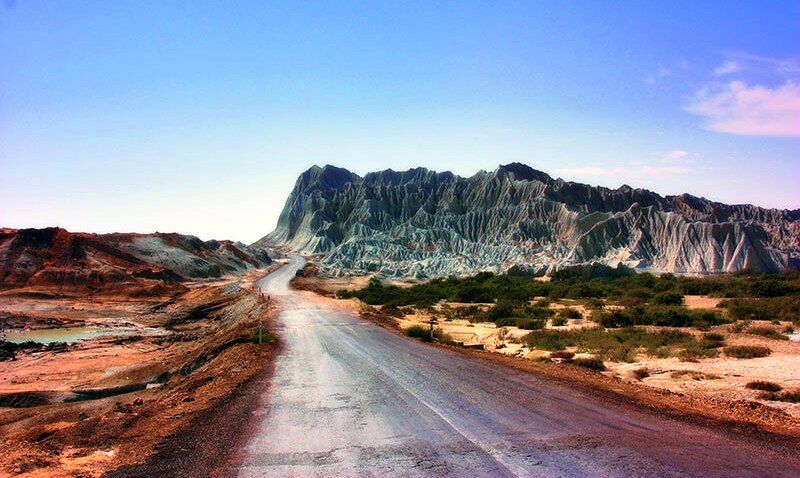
[(420, 223)]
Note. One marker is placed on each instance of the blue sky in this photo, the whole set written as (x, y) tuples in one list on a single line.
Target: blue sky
[(197, 117)]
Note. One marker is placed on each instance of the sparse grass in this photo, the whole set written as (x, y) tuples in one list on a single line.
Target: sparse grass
[(591, 363), (696, 350), (393, 310), (261, 336), (764, 386), (747, 351), (694, 375), (620, 345), (440, 336), (739, 327), (766, 331), (520, 322)]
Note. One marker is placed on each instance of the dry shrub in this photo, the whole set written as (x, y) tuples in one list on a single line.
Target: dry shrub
[(747, 351), (764, 386)]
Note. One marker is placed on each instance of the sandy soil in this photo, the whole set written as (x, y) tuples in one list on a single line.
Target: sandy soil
[(701, 302), (721, 377), (203, 356), (725, 377)]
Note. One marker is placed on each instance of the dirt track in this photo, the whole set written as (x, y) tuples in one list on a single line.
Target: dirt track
[(350, 398)]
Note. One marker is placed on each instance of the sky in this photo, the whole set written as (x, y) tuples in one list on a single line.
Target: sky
[(197, 117)]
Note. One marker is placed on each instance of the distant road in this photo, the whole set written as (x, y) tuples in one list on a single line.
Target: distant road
[(349, 398)]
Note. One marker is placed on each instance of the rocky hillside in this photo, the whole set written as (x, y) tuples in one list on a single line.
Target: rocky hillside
[(59, 261), (422, 223)]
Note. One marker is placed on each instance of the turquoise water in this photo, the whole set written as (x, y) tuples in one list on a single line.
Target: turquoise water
[(62, 334)]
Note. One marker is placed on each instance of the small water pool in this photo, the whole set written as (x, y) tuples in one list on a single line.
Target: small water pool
[(64, 334)]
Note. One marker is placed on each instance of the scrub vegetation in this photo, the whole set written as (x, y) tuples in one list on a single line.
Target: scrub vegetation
[(592, 316), (646, 299)]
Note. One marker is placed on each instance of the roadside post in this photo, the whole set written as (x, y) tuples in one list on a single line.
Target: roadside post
[(432, 322)]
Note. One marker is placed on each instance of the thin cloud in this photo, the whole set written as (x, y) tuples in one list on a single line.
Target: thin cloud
[(727, 68), (778, 65), (737, 108), (674, 155)]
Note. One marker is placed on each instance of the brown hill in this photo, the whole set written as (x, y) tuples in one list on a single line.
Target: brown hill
[(54, 260)]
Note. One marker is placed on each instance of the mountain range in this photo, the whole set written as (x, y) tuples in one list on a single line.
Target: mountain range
[(421, 223)]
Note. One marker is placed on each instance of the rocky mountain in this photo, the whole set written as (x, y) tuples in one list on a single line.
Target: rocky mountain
[(58, 261), (422, 223)]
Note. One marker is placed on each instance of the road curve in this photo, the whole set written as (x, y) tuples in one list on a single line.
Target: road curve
[(349, 398)]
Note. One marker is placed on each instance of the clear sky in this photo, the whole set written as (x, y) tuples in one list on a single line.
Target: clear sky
[(197, 117)]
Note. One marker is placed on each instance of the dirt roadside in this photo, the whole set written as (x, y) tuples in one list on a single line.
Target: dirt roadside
[(183, 426), (740, 416)]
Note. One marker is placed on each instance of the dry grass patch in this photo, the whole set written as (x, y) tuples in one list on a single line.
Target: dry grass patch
[(693, 375)]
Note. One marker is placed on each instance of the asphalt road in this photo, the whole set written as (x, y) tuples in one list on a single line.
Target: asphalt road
[(349, 398)]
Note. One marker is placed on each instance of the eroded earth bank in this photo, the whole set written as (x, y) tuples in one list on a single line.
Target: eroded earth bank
[(116, 400)]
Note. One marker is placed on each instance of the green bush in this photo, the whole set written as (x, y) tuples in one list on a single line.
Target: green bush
[(615, 344), (747, 351), (776, 308), (418, 332), (713, 340), (546, 340), (570, 313), (664, 316), (766, 331), (590, 363), (595, 304), (559, 321), (752, 296)]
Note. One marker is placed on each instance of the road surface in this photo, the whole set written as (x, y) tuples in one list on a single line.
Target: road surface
[(349, 398)]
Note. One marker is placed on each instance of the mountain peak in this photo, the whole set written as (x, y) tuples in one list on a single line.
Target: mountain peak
[(326, 177), (522, 172)]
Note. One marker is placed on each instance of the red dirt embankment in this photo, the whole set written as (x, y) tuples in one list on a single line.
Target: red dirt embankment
[(202, 365)]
